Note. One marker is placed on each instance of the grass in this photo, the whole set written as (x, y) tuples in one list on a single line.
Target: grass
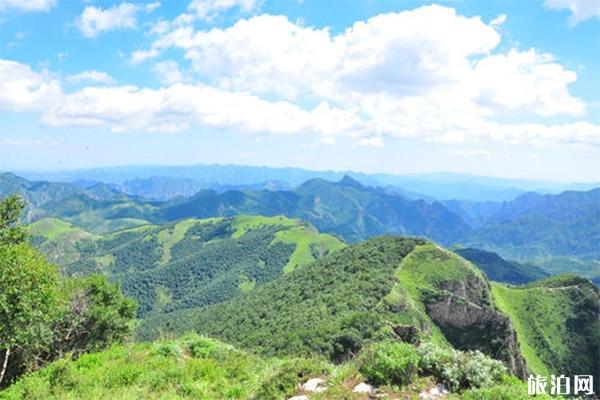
[(192, 367), (556, 320), (307, 241), (169, 237), (52, 228), (244, 223)]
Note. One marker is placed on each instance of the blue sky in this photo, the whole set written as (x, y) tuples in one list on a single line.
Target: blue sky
[(499, 88)]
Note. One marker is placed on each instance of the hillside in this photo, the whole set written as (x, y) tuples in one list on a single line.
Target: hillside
[(189, 263), (557, 323), (385, 287), (500, 270), (195, 367), (535, 226)]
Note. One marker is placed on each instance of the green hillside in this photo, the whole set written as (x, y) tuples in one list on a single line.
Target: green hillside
[(195, 367), (500, 270), (189, 263), (387, 287), (557, 323)]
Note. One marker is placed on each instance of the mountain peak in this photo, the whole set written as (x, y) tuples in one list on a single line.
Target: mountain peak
[(347, 180)]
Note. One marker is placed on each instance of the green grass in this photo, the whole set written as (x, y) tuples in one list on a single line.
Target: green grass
[(308, 243), (244, 223), (556, 320), (193, 367), (169, 237), (52, 228)]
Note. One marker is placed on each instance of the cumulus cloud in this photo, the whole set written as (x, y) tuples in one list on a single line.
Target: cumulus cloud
[(208, 9), (27, 5), (92, 76), (22, 89), (169, 72), (429, 74), (95, 20), (580, 9)]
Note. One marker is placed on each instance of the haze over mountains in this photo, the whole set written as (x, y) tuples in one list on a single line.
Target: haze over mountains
[(165, 182)]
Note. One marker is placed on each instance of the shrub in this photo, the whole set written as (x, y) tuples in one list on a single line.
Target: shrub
[(285, 381), (511, 388), (201, 346), (168, 348), (390, 363), (459, 370)]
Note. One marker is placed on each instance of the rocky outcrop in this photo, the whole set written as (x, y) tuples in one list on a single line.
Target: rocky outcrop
[(463, 312)]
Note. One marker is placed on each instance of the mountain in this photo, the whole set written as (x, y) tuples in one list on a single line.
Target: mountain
[(189, 263), (536, 226), (442, 186), (405, 289), (498, 269), (345, 208)]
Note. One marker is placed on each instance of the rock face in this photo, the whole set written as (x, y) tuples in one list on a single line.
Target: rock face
[(464, 313)]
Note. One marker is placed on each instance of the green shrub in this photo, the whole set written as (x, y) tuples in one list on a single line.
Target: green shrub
[(168, 348), (285, 381), (200, 346), (511, 388), (459, 370), (390, 363)]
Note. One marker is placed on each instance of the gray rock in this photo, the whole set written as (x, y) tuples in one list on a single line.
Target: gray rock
[(363, 388)]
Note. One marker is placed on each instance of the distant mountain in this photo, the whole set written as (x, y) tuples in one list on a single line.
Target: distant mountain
[(190, 263), (441, 186), (345, 208), (533, 227), (501, 270), (536, 226)]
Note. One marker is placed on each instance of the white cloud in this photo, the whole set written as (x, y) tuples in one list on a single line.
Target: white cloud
[(22, 89), (27, 5), (169, 72), (580, 9), (94, 20), (374, 141), (92, 76), (208, 9), (427, 74)]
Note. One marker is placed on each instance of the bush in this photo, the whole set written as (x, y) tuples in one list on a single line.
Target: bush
[(168, 348), (460, 370), (511, 388), (285, 381), (390, 363)]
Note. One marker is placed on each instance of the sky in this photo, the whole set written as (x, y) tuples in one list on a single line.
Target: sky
[(506, 88)]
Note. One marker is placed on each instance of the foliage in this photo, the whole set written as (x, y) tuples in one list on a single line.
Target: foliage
[(328, 307), (95, 315), (11, 232), (192, 367), (390, 363), (28, 295), (510, 388), (460, 370), (190, 263)]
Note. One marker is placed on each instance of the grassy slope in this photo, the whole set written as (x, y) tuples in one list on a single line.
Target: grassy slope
[(189, 368), (189, 263), (195, 367), (542, 314)]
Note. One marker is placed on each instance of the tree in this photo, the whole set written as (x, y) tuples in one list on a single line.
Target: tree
[(11, 231), (94, 315), (28, 295)]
